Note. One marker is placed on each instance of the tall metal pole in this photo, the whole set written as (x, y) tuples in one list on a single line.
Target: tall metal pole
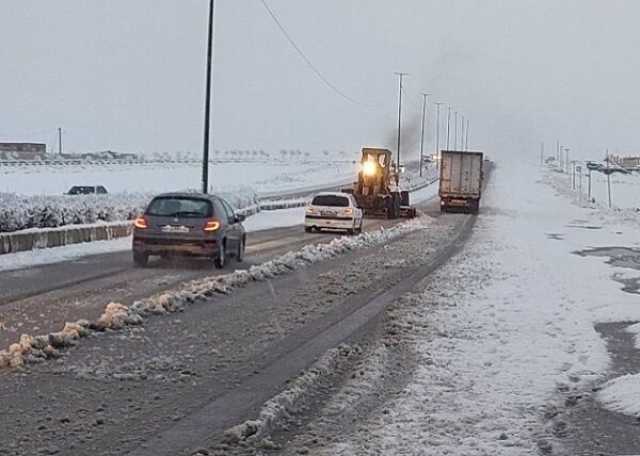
[(59, 141), (455, 131), (400, 76), (448, 125), (580, 184), (207, 104), (589, 185), (424, 114), (608, 179), (542, 153), (437, 151), (566, 158), (462, 133), (467, 138)]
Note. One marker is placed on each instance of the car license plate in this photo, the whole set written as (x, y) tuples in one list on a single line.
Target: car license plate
[(328, 213), (175, 229)]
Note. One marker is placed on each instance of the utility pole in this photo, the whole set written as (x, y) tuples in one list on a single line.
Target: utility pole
[(542, 153), (579, 170), (573, 173), (448, 125), (462, 133), (400, 77), (455, 131), (608, 179), (589, 185), (424, 114), (467, 137), (558, 153), (566, 158), (207, 104), (60, 141), (437, 152)]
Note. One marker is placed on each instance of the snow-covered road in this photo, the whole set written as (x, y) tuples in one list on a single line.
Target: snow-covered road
[(503, 335)]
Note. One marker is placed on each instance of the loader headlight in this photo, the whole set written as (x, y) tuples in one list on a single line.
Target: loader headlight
[(369, 168)]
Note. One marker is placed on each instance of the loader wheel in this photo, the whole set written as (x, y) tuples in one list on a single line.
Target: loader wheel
[(396, 204)]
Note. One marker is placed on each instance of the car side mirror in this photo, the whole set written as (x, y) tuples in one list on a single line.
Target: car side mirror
[(240, 218)]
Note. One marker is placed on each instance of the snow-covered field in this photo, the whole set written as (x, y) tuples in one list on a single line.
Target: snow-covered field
[(154, 178), (506, 329), (625, 189)]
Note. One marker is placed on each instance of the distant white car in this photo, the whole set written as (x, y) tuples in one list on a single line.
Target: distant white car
[(335, 211)]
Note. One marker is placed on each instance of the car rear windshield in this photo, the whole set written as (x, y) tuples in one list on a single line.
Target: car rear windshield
[(331, 200), (172, 206)]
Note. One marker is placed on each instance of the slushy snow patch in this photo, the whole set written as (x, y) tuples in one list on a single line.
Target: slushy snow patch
[(277, 409), (621, 395)]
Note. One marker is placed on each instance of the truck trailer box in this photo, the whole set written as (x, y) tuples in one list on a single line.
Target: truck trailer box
[(461, 178)]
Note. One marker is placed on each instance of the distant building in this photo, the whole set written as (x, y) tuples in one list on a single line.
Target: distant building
[(625, 162), (23, 151)]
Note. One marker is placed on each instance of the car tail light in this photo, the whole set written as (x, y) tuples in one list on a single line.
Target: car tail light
[(348, 211), (212, 225), (141, 223)]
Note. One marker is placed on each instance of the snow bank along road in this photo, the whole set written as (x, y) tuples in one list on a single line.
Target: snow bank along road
[(146, 390)]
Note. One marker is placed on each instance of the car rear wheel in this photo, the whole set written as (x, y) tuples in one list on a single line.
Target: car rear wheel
[(140, 259), (308, 229), (220, 259)]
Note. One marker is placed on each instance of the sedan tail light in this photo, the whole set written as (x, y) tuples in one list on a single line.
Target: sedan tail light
[(212, 225), (141, 223)]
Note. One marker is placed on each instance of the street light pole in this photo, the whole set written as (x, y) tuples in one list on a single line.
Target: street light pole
[(455, 131), (448, 125), (462, 133), (608, 179), (437, 151), (424, 114), (467, 137), (400, 77), (207, 104)]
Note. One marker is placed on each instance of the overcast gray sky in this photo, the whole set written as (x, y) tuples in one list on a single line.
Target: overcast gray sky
[(129, 74)]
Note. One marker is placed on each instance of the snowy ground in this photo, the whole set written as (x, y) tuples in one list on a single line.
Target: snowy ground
[(625, 189), (153, 178), (501, 333)]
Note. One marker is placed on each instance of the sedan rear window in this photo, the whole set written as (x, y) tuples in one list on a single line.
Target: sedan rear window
[(180, 207), (330, 200)]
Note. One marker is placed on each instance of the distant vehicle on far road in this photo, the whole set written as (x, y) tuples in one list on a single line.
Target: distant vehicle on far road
[(189, 224), (333, 210), (87, 190)]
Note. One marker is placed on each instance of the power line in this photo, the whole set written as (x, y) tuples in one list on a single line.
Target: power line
[(307, 60)]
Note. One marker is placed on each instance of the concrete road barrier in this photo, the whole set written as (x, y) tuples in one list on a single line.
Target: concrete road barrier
[(55, 237)]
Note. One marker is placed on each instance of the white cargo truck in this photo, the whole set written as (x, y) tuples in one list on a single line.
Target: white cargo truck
[(461, 178)]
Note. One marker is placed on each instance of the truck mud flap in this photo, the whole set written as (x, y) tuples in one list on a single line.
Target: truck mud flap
[(407, 212)]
